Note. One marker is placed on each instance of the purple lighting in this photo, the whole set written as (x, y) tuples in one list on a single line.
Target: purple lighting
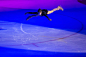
[(43, 4), (82, 1)]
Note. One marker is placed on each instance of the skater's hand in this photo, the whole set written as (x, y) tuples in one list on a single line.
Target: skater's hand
[(50, 19)]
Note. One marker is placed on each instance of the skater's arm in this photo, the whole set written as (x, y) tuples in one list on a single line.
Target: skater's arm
[(32, 16), (48, 18), (31, 13)]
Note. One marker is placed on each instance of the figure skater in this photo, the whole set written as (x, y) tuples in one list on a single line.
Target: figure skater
[(43, 12)]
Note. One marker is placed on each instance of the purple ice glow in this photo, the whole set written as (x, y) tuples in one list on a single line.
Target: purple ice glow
[(36, 4)]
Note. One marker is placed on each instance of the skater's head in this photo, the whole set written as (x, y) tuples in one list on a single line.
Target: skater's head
[(39, 10)]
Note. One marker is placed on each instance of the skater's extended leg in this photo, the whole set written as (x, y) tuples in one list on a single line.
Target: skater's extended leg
[(55, 9), (31, 17)]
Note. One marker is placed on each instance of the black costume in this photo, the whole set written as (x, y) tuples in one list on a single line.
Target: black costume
[(44, 13)]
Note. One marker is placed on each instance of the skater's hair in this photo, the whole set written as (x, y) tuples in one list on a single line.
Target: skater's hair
[(39, 10)]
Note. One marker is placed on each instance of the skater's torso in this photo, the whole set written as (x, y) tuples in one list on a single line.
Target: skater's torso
[(44, 12)]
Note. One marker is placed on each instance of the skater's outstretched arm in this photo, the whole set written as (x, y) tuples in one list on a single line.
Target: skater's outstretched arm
[(31, 13), (31, 16), (48, 18)]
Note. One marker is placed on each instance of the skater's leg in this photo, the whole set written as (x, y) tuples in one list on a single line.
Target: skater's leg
[(31, 13), (31, 17), (55, 9)]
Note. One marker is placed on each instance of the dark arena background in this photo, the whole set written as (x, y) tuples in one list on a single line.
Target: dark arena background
[(64, 36)]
